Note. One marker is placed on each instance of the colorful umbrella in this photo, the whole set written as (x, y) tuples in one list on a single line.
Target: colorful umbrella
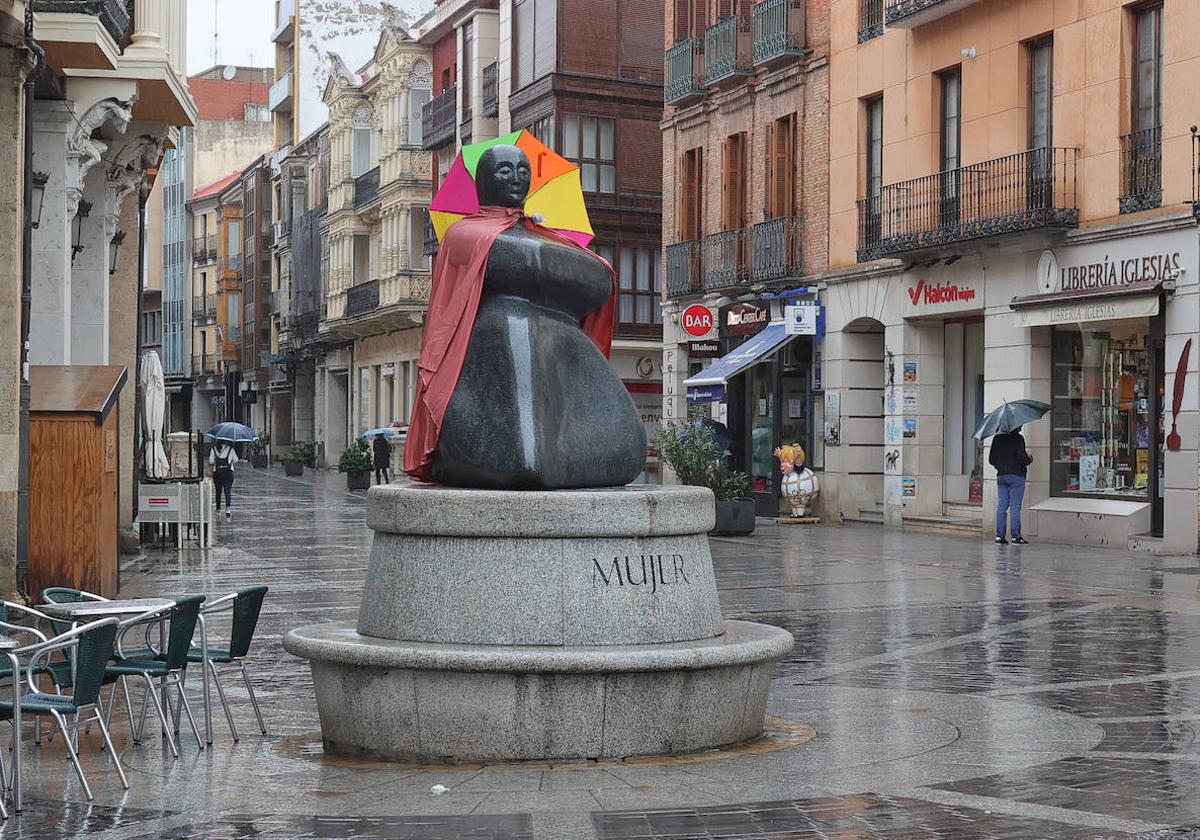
[(555, 191)]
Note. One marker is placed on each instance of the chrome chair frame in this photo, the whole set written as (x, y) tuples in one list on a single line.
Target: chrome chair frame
[(222, 605)]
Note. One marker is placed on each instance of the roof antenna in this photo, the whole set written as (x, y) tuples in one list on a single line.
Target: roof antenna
[(216, 33)]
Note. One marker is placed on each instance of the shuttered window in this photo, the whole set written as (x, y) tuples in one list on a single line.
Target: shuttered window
[(535, 28), (733, 182), (523, 14), (781, 168), (590, 142), (691, 195), (690, 19), (1147, 75), (1041, 96), (874, 172)]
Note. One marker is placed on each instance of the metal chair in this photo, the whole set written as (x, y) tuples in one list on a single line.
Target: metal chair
[(245, 607), (90, 646), (166, 667), (60, 671)]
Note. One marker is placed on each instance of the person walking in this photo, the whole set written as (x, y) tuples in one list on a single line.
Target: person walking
[(1011, 460), (221, 459), (382, 451)]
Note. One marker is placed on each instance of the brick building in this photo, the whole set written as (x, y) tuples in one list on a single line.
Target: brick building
[(746, 196)]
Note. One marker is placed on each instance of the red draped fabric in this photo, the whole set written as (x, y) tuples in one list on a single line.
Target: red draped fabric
[(453, 305)]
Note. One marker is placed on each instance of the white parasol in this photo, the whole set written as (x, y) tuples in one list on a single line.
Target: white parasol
[(154, 407)]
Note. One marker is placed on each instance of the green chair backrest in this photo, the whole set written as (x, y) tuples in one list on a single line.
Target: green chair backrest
[(246, 608), (61, 595), (182, 627), (91, 659)]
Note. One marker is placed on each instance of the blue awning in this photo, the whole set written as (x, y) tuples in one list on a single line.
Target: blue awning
[(770, 339)]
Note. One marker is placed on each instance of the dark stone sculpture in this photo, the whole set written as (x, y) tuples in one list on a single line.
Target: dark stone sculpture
[(537, 406)]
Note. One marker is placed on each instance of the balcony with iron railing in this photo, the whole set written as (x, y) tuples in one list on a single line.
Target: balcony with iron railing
[(204, 364), (777, 32), (491, 91), (727, 51), (114, 15), (431, 245), (777, 249), (726, 260), (685, 72), (1141, 171), (438, 119), (204, 249), (204, 309), (909, 14), (870, 20), (683, 269), (366, 188), (1028, 191), (362, 298)]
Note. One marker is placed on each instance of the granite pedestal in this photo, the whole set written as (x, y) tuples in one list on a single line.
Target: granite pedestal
[(574, 624)]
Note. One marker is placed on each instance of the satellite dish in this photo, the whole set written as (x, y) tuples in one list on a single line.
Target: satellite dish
[(229, 73)]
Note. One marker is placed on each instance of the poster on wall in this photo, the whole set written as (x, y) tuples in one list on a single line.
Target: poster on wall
[(910, 427), (795, 408), (908, 488), (910, 372), (1088, 466), (833, 418), (910, 399)]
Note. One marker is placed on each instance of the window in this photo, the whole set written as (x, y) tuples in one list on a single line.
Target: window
[(362, 260), (420, 91), (417, 260), (589, 141), (468, 68), (543, 129), (691, 195), (733, 182), (534, 32), (874, 173), (951, 128), (639, 280), (360, 150), (1041, 93), (257, 113), (781, 168), (234, 243), (364, 398), (690, 19), (1147, 71)]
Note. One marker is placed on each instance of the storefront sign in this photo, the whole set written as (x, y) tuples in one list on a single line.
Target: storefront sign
[(705, 393), (746, 318), (704, 350), (802, 318), (1109, 309), (1098, 270), (935, 293), (698, 321)]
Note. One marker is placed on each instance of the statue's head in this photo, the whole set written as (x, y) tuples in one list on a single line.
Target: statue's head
[(502, 177)]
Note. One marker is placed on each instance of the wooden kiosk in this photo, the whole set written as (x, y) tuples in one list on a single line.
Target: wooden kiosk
[(74, 477)]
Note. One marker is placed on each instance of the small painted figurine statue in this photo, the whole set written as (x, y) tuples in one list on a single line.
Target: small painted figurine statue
[(799, 483)]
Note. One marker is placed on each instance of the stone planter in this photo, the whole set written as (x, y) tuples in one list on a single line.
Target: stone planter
[(293, 468), (259, 460), (358, 480), (734, 519)]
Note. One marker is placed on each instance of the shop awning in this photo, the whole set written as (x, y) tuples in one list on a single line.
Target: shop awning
[(709, 384), (1110, 303)]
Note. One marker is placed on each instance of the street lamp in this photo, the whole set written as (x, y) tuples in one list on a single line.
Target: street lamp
[(114, 247), (40, 179), (85, 207)]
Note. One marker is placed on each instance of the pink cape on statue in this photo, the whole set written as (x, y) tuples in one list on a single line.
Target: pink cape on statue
[(458, 275)]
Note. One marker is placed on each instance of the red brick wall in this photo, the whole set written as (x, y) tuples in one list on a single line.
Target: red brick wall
[(445, 57), (217, 99)]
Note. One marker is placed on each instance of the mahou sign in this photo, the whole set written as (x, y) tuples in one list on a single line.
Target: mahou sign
[(698, 320)]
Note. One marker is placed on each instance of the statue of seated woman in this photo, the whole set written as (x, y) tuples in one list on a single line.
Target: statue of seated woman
[(514, 390)]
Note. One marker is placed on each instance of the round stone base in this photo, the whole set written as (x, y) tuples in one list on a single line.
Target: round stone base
[(419, 701)]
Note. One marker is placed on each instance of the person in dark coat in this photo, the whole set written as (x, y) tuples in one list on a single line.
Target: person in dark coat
[(1011, 460), (382, 453)]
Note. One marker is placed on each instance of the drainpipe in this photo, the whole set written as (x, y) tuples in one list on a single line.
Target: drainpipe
[(39, 57), (139, 451)]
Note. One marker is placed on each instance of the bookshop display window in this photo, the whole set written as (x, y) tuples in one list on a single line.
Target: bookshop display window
[(1106, 387)]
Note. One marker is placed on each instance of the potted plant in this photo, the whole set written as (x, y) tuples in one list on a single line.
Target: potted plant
[(258, 451), (356, 464), (693, 453), (301, 455)]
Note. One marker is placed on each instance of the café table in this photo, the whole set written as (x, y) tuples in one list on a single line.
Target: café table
[(75, 611)]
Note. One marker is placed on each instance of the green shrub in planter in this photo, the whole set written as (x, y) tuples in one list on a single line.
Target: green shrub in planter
[(356, 463), (303, 452), (258, 451), (692, 452)]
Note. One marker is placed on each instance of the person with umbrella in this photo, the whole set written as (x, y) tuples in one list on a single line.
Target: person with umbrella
[(222, 458), (1011, 460), (381, 454)]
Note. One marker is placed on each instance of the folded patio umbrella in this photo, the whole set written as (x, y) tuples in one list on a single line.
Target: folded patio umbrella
[(1011, 415), (232, 432), (386, 432)]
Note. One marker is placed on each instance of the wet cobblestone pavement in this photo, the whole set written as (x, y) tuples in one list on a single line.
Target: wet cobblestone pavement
[(954, 689)]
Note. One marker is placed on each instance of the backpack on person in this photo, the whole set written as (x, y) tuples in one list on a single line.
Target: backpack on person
[(221, 462)]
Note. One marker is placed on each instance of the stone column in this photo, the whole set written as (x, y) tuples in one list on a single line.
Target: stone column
[(12, 226), (924, 458), (123, 292), (89, 276), (150, 25), (49, 332)]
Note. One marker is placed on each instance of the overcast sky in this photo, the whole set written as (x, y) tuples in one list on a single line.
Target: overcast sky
[(244, 27)]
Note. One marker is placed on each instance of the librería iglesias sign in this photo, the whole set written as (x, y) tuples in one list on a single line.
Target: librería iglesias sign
[(1106, 272)]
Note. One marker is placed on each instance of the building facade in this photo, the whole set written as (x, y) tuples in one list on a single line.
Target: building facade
[(745, 223), (1012, 216)]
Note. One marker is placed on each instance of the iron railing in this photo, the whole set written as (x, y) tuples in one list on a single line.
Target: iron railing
[(204, 249), (683, 268), (726, 259), (204, 309), (727, 50), (1141, 170), (685, 71), (491, 91), (204, 364), (362, 298), (1026, 191), (777, 247), (114, 15), (870, 19), (901, 12), (778, 30), (438, 118), (430, 245), (366, 187)]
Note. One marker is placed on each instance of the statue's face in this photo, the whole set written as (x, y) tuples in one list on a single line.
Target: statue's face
[(502, 177), (787, 467)]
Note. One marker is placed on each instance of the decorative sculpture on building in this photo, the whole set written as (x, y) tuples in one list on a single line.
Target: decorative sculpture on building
[(514, 389), (800, 486)]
